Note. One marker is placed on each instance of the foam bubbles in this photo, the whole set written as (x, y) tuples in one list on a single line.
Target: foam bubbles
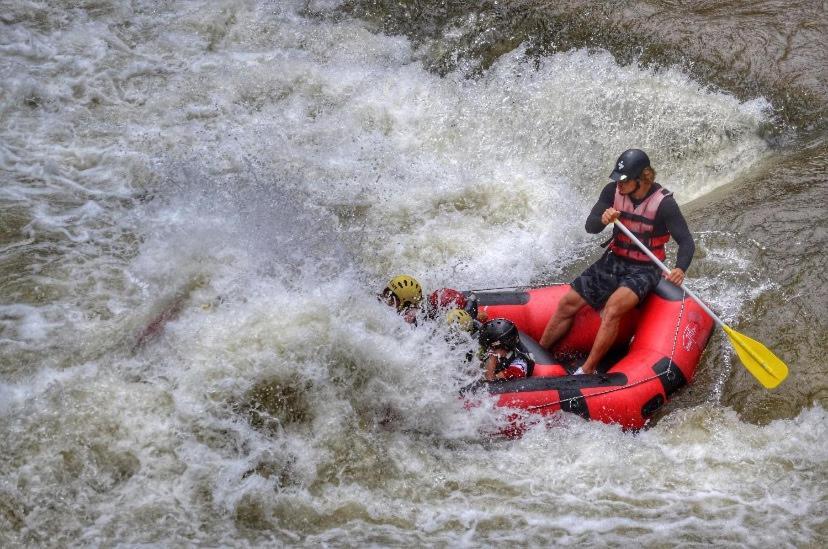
[(205, 199)]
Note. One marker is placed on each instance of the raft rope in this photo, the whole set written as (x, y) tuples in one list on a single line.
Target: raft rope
[(646, 380)]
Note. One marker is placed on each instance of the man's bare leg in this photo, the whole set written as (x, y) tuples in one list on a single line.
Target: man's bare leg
[(560, 322), (619, 303)]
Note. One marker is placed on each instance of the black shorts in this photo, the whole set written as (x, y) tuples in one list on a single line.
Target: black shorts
[(609, 273)]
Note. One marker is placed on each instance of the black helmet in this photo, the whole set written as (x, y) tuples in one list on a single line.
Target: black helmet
[(499, 332), (630, 165)]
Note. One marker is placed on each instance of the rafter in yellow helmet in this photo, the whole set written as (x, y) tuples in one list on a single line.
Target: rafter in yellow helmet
[(407, 289)]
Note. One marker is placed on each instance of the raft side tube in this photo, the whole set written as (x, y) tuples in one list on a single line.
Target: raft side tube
[(684, 337)]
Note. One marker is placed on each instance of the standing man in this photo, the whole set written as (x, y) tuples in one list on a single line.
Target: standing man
[(624, 275)]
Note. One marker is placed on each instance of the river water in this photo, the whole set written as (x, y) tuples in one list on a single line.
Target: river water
[(199, 200)]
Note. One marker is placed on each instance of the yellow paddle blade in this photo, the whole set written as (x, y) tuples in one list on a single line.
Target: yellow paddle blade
[(758, 359)]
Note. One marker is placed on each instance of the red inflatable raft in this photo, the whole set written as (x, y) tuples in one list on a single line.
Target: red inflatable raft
[(657, 350)]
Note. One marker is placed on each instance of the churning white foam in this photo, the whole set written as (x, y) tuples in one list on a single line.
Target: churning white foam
[(208, 197)]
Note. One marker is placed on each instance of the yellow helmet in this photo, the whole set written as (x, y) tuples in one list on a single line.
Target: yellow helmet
[(408, 291), (459, 318)]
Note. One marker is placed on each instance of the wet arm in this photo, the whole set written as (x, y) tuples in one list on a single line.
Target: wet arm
[(677, 225), (593, 222)]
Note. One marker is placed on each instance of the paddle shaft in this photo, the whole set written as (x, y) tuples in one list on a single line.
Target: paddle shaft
[(664, 268), (765, 366)]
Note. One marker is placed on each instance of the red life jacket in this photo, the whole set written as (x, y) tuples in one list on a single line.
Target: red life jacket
[(640, 220)]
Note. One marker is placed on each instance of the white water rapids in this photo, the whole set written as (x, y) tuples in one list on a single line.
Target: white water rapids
[(251, 174)]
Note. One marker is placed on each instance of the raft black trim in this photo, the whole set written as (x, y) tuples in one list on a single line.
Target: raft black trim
[(573, 401), (651, 406), (561, 384), (539, 354), (668, 290), (671, 377), (502, 298)]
